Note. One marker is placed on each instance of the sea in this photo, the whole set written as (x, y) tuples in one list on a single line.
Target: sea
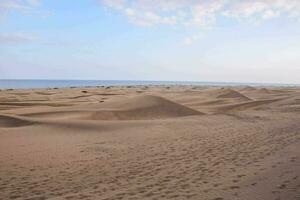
[(31, 84)]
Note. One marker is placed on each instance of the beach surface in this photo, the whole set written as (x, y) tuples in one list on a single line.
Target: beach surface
[(150, 142)]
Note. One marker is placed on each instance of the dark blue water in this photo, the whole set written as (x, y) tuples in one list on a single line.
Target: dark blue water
[(24, 84)]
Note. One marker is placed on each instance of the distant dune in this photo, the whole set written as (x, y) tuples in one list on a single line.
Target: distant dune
[(230, 93)]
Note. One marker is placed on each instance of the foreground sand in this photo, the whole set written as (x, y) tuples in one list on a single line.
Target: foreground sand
[(179, 142)]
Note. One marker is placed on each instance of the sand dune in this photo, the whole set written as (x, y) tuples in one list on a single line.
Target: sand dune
[(230, 93), (247, 89), (136, 108), (266, 91), (247, 105), (226, 94), (33, 104), (154, 142), (145, 107), (90, 95), (9, 99), (11, 121), (207, 103)]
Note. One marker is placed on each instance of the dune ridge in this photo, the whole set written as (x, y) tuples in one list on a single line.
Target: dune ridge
[(7, 121), (247, 105), (135, 108), (230, 93)]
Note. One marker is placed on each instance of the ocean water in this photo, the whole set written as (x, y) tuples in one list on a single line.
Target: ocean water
[(26, 84)]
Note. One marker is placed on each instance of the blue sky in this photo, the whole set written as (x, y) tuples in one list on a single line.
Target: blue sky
[(192, 40)]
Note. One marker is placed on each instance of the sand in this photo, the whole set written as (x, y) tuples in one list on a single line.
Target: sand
[(150, 142)]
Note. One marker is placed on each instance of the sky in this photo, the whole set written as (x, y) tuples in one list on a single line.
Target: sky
[(183, 40)]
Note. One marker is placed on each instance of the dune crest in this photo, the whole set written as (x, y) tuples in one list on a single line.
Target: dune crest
[(248, 105), (248, 89), (134, 108), (144, 107), (230, 93)]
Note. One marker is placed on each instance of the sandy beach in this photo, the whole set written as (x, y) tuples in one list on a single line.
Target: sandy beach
[(150, 142)]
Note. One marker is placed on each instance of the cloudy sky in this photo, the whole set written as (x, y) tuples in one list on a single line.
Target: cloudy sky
[(192, 40)]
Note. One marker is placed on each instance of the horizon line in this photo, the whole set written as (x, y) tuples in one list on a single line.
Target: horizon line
[(139, 80)]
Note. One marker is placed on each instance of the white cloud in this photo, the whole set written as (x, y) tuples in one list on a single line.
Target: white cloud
[(33, 2), (205, 14), (191, 39), (16, 38), (202, 13), (269, 14), (17, 5), (245, 9), (170, 12)]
